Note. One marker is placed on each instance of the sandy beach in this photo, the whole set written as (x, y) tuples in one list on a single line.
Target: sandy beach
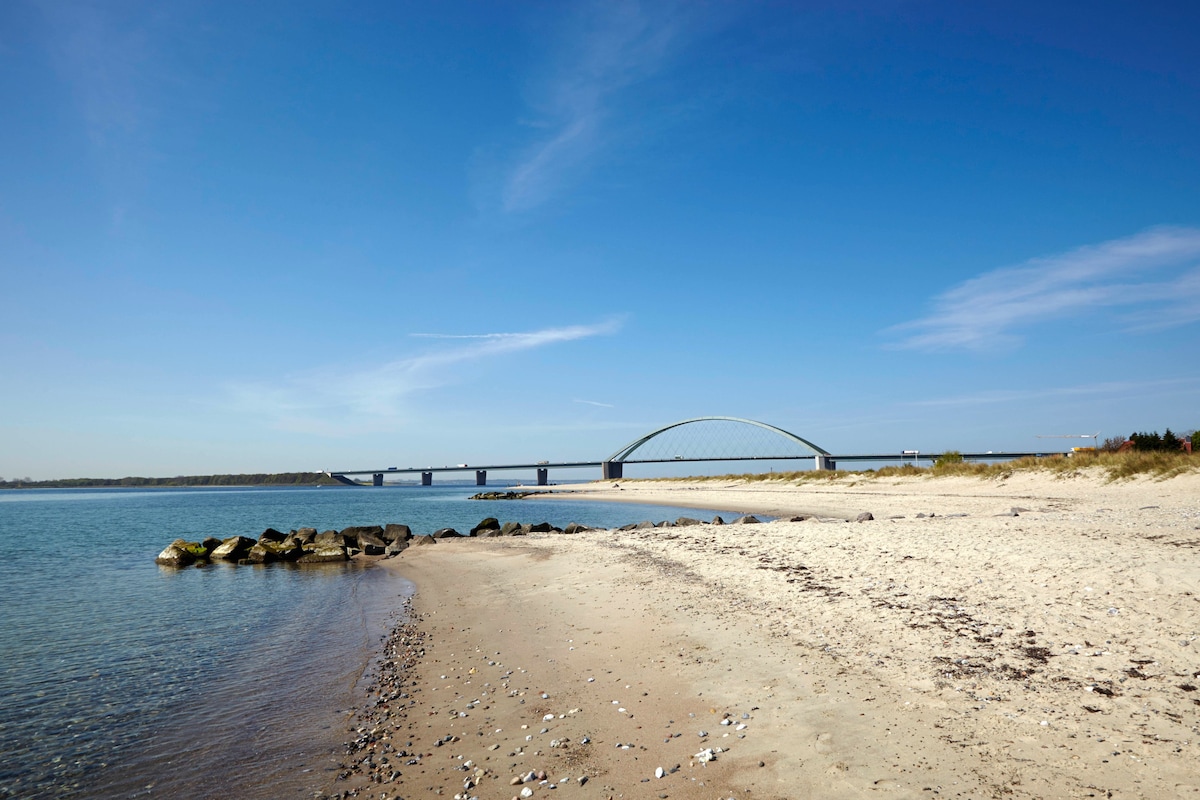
[(1026, 637)]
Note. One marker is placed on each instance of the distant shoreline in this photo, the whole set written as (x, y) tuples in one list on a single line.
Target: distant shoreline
[(223, 480)]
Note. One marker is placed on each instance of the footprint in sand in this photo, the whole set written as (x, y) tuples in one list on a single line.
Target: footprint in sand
[(824, 743)]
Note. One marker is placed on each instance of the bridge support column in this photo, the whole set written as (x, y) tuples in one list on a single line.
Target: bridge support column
[(543, 476), (481, 477), (612, 470), (427, 479), (826, 462), (377, 479)]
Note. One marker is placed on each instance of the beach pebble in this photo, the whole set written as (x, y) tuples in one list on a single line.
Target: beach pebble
[(547, 718), (660, 772), (704, 756), (527, 792), (582, 779)]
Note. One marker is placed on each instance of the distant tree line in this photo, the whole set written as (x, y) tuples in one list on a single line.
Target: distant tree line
[(1167, 441), (257, 479)]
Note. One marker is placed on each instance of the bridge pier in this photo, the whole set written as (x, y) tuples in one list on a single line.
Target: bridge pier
[(377, 479), (427, 479), (543, 476), (612, 470), (481, 477), (825, 462)]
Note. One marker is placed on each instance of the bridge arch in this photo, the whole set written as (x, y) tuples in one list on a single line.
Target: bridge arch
[(624, 454)]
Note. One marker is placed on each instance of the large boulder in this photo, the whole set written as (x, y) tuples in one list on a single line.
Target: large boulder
[(306, 535), (396, 533), (272, 535), (749, 519), (371, 543), (686, 521), (511, 529), (334, 538), (323, 552), (447, 533), (487, 524), (260, 554), (233, 549), (177, 554), (395, 548), (352, 534), (418, 541), (576, 527), (541, 527)]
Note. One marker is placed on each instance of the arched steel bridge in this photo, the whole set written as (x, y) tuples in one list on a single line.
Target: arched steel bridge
[(730, 439)]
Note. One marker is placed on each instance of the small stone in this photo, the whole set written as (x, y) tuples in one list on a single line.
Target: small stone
[(582, 779), (660, 772)]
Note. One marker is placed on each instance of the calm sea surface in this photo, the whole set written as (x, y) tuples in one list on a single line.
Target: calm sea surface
[(120, 678)]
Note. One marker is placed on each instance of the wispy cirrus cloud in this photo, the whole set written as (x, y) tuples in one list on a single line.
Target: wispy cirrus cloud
[(596, 403), (1152, 279), (334, 401), (603, 49)]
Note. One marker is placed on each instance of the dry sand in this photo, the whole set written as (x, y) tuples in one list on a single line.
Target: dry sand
[(964, 653)]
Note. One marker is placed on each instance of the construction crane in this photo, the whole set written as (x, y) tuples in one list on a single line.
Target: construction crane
[(1095, 437)]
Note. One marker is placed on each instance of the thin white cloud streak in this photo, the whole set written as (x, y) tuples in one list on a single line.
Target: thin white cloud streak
[(983, 313), (593, 403), (607, 48), (332, 401)]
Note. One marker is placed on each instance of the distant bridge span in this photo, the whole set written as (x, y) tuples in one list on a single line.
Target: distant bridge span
[(740, 440)]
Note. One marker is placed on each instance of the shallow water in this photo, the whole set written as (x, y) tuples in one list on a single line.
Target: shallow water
[(121, 678)]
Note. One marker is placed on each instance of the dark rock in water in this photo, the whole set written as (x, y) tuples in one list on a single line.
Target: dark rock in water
[(306, 535), (500, 495), (683, 522), (865, 516), (210, 544), (488, 524), (176, 554), (575, 527), (396, 533), (447, 533), (372, 543), (323, 553), (233, 549), (272, 535), (749, 519), (717, 521), (331, 538), (260, 554), (511, 529), (289, 549), (644, 525), (541, 527), (418, 541), (351, 534)]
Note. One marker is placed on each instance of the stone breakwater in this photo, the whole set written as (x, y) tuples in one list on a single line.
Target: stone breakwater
[(307, 546)]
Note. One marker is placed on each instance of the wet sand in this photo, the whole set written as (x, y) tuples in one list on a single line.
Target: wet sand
[(946, 648)]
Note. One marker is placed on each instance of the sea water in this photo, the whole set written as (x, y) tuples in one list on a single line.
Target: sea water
[(120, 678)]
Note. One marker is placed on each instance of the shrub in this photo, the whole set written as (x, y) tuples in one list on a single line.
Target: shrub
[(947, 458), (1112, 444)]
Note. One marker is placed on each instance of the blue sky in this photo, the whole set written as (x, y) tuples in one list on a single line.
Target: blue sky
[(289, 236)]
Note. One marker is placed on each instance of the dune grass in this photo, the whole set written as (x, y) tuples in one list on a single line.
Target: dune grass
[(1112, 466)]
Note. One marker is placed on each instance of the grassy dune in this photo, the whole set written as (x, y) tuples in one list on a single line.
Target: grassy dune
[(1113, 466)]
